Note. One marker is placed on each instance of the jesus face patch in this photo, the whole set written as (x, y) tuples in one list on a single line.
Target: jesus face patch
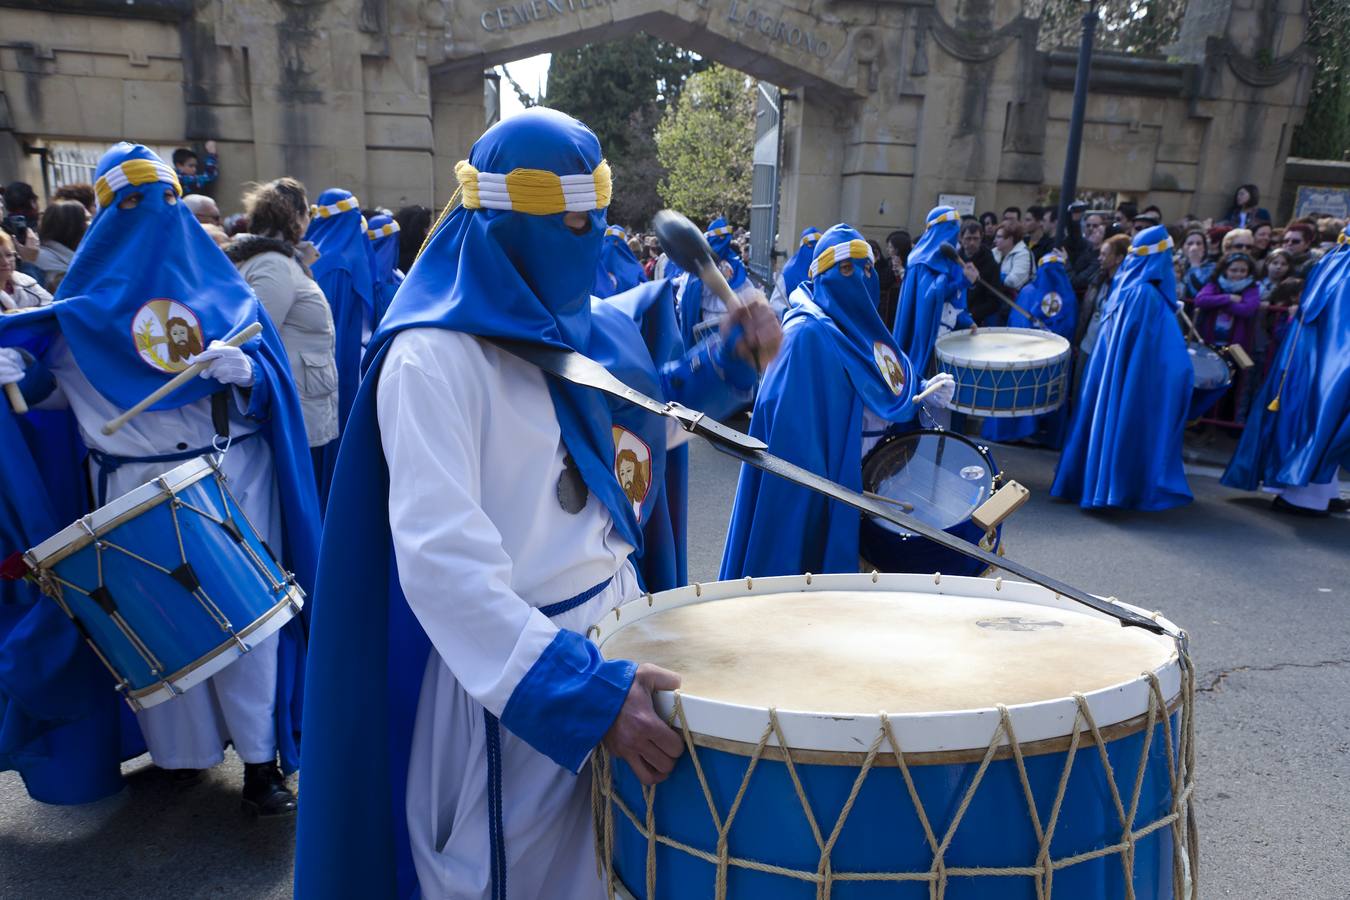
[(633, 467), (167, 334), (1051, 304), (889, 366)]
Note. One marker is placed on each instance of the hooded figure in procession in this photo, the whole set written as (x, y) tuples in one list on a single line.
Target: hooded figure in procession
[(1298, 431), (1049, 297), (795, 271), (190, 297), (700, 308), (1124, 446), (384, 248), (345, 271), (496, 512), (933, 296), (619, 269), (839, 373)]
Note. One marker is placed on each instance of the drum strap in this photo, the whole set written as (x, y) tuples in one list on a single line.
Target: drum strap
[(492, 737), (109, 463)]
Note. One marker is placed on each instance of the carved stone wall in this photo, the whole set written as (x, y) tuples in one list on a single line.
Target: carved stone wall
[(891, 101)]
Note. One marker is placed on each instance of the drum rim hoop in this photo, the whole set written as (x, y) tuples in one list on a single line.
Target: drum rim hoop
[(947, 356), (940, 731), (117, 512)]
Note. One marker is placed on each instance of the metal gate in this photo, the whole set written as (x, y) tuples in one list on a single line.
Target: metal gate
[(764, 187)]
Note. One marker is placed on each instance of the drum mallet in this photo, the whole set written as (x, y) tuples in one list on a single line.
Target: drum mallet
[(949, 251), (1235, 352), (684, 243), (177, 381), (16, 401)]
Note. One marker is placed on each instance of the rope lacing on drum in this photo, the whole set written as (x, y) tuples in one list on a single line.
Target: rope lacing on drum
[(886, 746)]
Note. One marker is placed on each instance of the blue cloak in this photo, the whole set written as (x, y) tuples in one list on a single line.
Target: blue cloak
[(836, 358), (1051, 298), (1124, 447), (345, 271), (490, 272), (199, 295), (384, 247), (1307, 437), (691, 298), (931, 283), (798, 268), (619, 269)]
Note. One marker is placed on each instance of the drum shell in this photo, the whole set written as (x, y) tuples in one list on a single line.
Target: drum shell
[(1004, 389), (248, 587)]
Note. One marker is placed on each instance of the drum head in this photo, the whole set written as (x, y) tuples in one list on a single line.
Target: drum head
[(1210, 369), (945, 476), (1003, 347), (861, 652)]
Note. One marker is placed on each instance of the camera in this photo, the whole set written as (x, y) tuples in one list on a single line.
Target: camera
[(17, 226)]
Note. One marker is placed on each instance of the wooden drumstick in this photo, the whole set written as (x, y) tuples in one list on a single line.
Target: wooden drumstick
[(177, 382), (949, 251), (923, 394), (16, 401), (685, 244)]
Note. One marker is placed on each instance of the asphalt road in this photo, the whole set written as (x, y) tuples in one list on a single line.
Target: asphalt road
[(1266, 599)]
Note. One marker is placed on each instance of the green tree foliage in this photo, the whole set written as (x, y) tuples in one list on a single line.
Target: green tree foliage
[(1127, 26), (706, 143), (1325, 132), (621, 90)]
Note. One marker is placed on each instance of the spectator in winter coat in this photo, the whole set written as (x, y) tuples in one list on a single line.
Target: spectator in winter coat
[(1246, 210), (62, 228), (1086, 264), (193, 173), (1228, 304), (1199, 267), (1262, 235), (1014, 259), (984, 307)]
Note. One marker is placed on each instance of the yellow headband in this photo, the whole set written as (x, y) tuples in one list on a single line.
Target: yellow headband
[(1053, 256), (1148, 249), (949, 216), (718, 232), (133, 171), (333, 209), (1344, 238), (616, 231), (854, 249), (536, 192), (383, 231), (811, 238)]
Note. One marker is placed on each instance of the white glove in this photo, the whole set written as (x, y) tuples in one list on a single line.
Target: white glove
[(12, 365), (942, 397), (226, 364)]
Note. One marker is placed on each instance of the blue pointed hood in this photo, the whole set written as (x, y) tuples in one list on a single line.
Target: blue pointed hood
[(619, 269), (338, 231), (943, 226), (798, 268)]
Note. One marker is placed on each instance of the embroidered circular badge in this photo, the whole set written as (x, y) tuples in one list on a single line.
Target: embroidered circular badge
[(889, 366), (167, 334), (1051, 304), (633, 467)]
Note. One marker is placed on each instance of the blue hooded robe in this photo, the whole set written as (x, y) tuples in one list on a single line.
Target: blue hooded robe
[(1307, 437), (1124, 446), (384, 247), (345, 271), (798, 269), (619, 269), (1051, 298), (492, 272), (107, 291), (932, 284), (836, 359), (691, 299)]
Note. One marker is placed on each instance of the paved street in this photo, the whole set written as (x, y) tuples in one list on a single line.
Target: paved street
[(1266, 599)]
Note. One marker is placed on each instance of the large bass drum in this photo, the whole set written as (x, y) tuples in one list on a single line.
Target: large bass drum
[(944, 477)]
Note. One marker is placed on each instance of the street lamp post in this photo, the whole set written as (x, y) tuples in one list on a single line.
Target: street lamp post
[(1069, 186)]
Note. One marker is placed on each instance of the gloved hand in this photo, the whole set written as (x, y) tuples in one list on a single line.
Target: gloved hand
[(12, 366), (226, 364), (942, 397)]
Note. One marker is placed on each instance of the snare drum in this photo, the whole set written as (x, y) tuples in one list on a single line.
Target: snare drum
[(1212, 379), (853, 736), (168, 583), (945, 477), (1004, 372)]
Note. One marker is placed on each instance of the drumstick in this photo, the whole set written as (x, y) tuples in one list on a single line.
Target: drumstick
[(925, 392), (949, 251), (907, 507), (177, 382), (16, 401)]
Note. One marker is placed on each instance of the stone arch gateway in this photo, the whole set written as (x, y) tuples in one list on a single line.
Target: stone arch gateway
[(892, 102)]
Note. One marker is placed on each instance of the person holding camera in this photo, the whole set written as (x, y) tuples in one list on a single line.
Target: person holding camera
[(21, 220)]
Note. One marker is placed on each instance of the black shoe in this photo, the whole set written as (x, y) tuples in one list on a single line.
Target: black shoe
[(1279, 504), (182, 779), (1338, 505), (265, 792)]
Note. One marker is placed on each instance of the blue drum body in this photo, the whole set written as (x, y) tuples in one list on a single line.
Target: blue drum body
[(1003, 372), (168, 583), (945, 477), (1212, 379)]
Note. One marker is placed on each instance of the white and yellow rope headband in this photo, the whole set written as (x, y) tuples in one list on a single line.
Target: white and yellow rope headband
[(536, 192), (133, 171), (950, 215), (827, 258), (334, 209), (384, 230), (718, 232), (1053, 256), (810, 239), (1149, 249), (616, 231)]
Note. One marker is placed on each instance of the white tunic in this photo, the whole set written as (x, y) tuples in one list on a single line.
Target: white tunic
[(474, 453), (190, 731)]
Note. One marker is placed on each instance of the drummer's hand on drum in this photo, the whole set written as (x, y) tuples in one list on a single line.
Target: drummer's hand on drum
[(11, 366), (226, 364), (944, 386), (638, 736), (761, 334), (972, 273)]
